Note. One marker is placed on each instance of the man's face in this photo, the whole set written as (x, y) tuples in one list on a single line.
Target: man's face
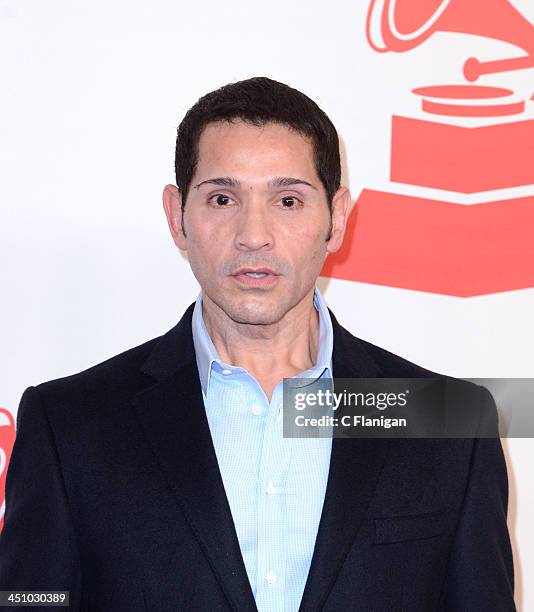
[(256, 220)]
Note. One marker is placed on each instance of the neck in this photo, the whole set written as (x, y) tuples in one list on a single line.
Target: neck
[(268, 352)]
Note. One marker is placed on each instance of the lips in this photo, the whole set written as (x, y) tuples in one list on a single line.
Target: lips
[(255, 271), (256, 278)]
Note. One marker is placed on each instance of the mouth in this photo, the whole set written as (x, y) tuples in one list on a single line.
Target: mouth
[(256, 277)]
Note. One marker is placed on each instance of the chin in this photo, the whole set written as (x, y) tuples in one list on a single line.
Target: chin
[(256, 313)]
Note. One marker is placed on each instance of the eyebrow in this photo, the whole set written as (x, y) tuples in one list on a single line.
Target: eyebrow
[(278, 181)]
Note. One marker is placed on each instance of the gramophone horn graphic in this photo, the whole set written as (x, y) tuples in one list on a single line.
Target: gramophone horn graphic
[(470, 147)]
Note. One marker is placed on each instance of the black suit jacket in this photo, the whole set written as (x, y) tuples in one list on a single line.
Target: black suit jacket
[(114, 493)]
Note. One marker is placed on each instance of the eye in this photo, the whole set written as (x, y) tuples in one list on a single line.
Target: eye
[(220, 200), (289, 202)]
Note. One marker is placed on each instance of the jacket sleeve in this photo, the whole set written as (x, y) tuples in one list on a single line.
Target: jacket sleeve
[(38, 549), (480, 572)]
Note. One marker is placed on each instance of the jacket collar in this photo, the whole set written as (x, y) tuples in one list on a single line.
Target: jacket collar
[(173, 351)]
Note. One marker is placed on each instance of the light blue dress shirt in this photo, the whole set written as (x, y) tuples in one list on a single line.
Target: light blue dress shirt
[(275, 485)]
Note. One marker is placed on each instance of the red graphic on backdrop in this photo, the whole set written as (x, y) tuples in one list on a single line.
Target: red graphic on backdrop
[(434, 244), (465, 160), (7, 439), (389, 245)]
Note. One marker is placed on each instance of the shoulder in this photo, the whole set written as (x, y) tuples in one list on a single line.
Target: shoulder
[(129, 371), (393, 365), (109, 385), (114, 377), (367, 359), (469, 405)]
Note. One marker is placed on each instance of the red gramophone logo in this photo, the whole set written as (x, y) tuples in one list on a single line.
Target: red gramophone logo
[(7, 439), (472, 139)]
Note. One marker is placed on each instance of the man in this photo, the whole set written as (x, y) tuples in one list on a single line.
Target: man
[(160, 479)]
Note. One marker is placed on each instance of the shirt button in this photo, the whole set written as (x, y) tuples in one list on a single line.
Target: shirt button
[(270, 578), (270, 489), (256, 409), (226, 372)]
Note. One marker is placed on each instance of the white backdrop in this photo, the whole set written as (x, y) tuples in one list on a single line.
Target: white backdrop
[(91, 95)]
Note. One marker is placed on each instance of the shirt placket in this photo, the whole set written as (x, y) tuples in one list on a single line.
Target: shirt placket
[(272, 507)]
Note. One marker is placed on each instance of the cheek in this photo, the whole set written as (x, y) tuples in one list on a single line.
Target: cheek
[(312, 231), (203, 256), (205, 237), (307, 246)]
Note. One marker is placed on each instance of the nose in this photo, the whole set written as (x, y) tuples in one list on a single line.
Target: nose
[(254, 228)]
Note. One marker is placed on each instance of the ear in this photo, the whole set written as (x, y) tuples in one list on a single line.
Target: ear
[(342, 206), (172, 204)]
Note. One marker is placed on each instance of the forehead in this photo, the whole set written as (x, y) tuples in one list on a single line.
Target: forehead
[(238, 146)]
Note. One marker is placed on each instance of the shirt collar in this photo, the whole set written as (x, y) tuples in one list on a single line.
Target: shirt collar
[(206, 353)]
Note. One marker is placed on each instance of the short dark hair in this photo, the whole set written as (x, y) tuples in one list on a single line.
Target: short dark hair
[(258, 101)]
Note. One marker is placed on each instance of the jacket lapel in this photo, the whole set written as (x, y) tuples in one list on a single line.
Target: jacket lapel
[(173, 416), (355, 467)]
